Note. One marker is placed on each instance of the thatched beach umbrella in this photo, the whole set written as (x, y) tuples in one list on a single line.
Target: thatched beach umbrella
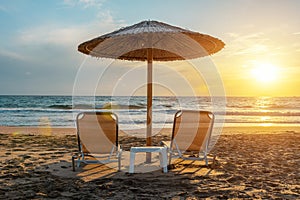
[(151, 41)]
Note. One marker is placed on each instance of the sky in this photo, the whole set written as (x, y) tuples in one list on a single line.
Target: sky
[(39, 39)]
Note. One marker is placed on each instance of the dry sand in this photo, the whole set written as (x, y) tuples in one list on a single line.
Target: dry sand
[(252, 162)]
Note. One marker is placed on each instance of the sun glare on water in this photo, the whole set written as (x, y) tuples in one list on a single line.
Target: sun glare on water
[(265, 72)]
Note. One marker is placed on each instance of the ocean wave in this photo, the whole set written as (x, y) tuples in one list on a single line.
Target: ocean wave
[(34, 110), (86, 106), (61, 110), (59, 106), (257, 113), (83, 106), (296, 122), (274, 106), (69, 107), (120, 106)]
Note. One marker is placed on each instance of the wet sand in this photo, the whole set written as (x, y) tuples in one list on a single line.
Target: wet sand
[(252, 162)]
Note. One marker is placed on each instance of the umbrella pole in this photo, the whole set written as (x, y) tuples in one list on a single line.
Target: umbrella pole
[(149, 101)]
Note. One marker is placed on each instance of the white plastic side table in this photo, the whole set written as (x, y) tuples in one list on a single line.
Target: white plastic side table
[(150, 149)]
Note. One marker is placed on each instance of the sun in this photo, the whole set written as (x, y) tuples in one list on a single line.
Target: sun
[(265, 72)]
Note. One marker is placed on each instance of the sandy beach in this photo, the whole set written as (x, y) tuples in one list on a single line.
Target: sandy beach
[(252, 162)]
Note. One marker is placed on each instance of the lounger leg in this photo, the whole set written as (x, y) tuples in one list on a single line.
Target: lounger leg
[(78, 162), (73, 163), (119, 163), (170, 157)]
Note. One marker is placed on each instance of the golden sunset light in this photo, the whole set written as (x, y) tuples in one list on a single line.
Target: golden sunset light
[(265, 72), (114, 99)]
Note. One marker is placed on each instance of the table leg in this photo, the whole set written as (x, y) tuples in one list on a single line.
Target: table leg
[(131, 165), (165, 160)]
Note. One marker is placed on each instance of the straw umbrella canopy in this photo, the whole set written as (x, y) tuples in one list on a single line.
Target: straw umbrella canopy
[(151, 41)]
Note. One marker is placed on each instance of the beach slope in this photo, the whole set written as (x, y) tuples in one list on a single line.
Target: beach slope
[(251, 163)]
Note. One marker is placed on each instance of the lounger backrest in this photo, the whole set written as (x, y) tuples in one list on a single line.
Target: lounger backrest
[(97, 132), (192, 130)]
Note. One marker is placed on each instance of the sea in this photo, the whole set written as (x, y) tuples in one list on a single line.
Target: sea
[(61, 111)]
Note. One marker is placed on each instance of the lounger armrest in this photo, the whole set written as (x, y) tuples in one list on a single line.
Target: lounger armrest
[(76, 155), (120, 150), (166, 143)]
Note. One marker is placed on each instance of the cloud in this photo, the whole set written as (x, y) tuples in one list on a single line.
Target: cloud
[(3, 9), (51, 49), (60, 34), (50, 35), (65, 36), (249, 44), (251, 49), (268, 43), (232, 35), (12, 55), (84, 3)]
